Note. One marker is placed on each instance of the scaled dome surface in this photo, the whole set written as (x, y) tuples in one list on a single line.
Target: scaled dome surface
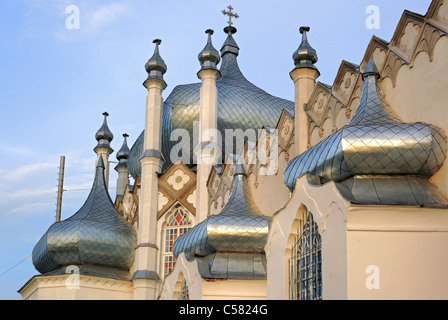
[(241, 105), (95, 236)]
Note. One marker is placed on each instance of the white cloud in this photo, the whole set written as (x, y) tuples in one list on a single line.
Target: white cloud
[(93, 19), (28, 209), (25, 171), (106, 14)]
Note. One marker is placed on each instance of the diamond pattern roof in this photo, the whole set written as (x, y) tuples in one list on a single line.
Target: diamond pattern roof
[(373, 142), (96, 235), (241, 105), (240, 227)]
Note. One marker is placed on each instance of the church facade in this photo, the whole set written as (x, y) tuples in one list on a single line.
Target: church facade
[(237, 194)]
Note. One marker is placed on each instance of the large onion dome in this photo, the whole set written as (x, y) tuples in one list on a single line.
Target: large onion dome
[(387, 156), (241, 105), (239, 232), (95, 237)]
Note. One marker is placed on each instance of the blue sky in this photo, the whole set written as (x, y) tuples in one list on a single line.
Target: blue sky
[(55, 83)]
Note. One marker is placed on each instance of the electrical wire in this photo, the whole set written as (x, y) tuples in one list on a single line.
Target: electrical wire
[(26, 258)]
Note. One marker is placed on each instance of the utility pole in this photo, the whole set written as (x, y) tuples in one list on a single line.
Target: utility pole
[(60, 189)]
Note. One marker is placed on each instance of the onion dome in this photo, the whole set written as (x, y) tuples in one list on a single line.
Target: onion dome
[(95, 237), (239, 228), (241, 105), (305, 56), (209, 56), (104, 136), (155, 67), (123, 153), (373, 143)]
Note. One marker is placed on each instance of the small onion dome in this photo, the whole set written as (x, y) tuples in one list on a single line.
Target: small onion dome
[(104, 133), (104, 136), (96, 236), (123, 153), (305, 56), (209, 56), (156, 67)]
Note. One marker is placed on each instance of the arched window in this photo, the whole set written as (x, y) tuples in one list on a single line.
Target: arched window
[(305, 264), (177, 224)]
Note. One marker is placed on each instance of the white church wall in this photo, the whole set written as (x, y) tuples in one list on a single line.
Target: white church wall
[(397, 253)]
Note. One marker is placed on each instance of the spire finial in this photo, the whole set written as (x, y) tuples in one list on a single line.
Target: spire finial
[(305, 56), (155, 67), (123, 154), (209, 56), (304, 30), (104, 136)]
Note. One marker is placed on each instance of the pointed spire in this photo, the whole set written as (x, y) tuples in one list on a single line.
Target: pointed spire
[(239, 167), (371, 69), (209, 56), (156, 67), (372, 108), (305, 56), (230, 45), (100, 163)]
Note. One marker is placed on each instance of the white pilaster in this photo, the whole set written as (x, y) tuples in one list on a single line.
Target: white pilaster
[(304, 84), (207, 152)]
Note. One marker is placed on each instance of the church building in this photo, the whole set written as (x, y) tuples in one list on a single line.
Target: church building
[(232, 193)]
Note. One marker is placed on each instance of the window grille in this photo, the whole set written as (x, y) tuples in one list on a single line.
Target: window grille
[(305, 264)]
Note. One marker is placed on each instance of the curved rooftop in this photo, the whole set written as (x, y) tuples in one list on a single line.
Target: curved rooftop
[(239, 228), (241, 105), (373, 143), (95, 236)]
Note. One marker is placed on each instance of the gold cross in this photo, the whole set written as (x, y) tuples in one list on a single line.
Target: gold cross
[(230, 14)]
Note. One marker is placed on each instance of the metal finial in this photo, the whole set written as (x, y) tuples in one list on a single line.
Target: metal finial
[(125, 135), (230, 14), (157, 41), (209, 32), (106, 114), (304, 29)]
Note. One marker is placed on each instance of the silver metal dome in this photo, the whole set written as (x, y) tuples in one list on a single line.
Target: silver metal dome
[(239, 228), (123, 153), (305, 56), (373, 143), (104, 136), (209, 56), (95, 236), (241, 105), (155, 67)]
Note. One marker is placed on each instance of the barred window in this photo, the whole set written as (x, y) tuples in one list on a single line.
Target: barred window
[(178, 224), (305, 265)]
